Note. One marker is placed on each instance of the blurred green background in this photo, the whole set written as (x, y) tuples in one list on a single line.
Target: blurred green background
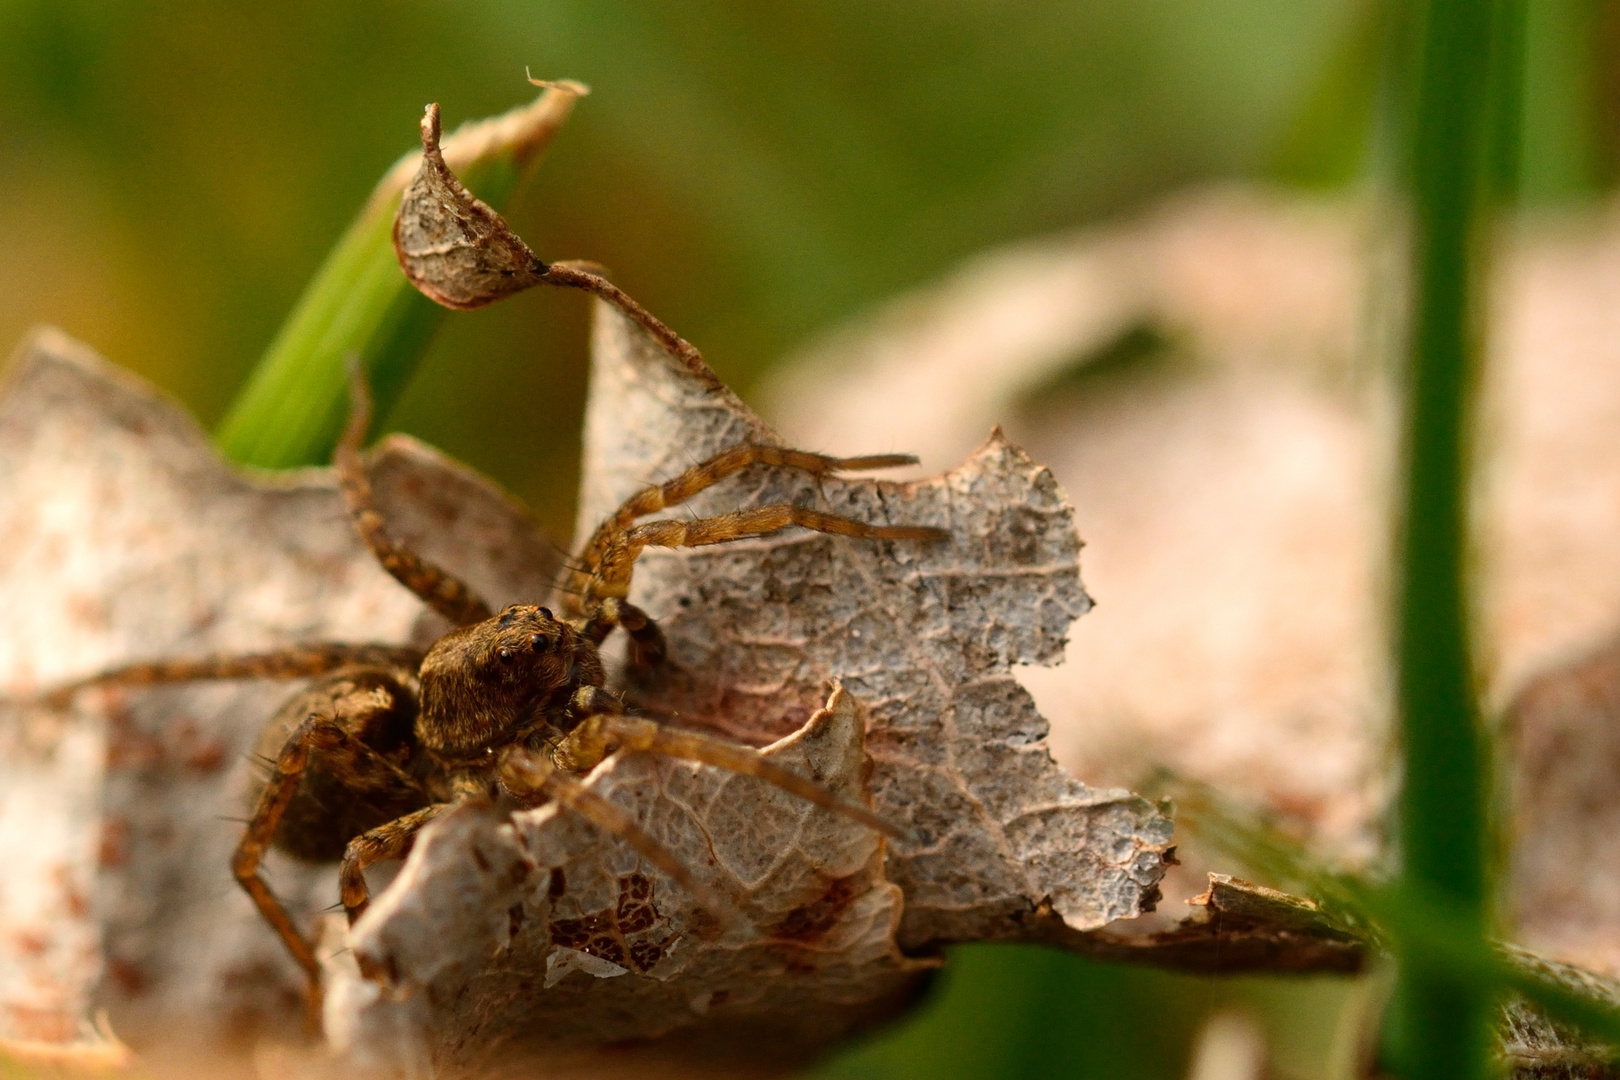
[(753, 173)]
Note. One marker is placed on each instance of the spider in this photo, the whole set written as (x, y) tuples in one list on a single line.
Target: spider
[(510, 704)]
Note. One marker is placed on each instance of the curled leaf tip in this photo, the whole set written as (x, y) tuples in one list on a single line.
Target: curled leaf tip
[(453, 247), (567, 86), (462, 254), (430, 128)]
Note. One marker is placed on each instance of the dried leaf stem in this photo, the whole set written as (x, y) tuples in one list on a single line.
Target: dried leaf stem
[(573, 274)]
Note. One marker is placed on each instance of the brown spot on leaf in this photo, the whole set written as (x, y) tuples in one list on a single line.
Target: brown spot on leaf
[(129, 749), (73, 898), (127, 976), (113, 850), (645, 954), (608, 948), (810, 922), (620, 934), (206, 757)]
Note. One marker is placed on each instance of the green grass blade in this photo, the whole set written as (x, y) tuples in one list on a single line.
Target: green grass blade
[(1444, 1014), (292, 408)]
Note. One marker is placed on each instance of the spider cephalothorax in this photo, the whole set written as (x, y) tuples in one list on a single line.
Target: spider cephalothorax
[(511, 705), (498, 680)]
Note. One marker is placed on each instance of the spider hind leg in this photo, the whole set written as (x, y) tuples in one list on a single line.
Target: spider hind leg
[(300, 662)]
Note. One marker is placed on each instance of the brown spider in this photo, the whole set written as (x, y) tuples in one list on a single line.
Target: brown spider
[(511, 704)]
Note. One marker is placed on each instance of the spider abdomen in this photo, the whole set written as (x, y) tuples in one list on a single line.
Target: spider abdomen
[(347, 790)]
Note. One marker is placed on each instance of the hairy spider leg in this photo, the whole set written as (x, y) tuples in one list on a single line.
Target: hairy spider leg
[(389, 841), (533, 779), (701, 477), (616, 564), (316, 734), (432, 584), (604, 727), (647, 644), (300, 662)]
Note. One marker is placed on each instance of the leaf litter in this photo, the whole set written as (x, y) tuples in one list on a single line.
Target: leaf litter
[(885, 672)]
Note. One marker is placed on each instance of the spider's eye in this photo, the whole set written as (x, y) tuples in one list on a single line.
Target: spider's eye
[(538, 642), (504, 654), (547, 613)]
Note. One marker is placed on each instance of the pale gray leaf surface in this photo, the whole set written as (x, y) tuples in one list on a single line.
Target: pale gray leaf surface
[(925, 636)]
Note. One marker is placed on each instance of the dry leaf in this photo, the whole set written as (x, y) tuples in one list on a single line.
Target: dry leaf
[(452, 246), (1239, 926), (1227, 493), (923, 639), (926, 637), (129, 539)]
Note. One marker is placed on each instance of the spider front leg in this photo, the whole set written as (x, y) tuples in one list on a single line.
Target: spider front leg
[(390, 841), (647, 645), (610, 579), (587, 580), (533, 779), (606, 728)]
